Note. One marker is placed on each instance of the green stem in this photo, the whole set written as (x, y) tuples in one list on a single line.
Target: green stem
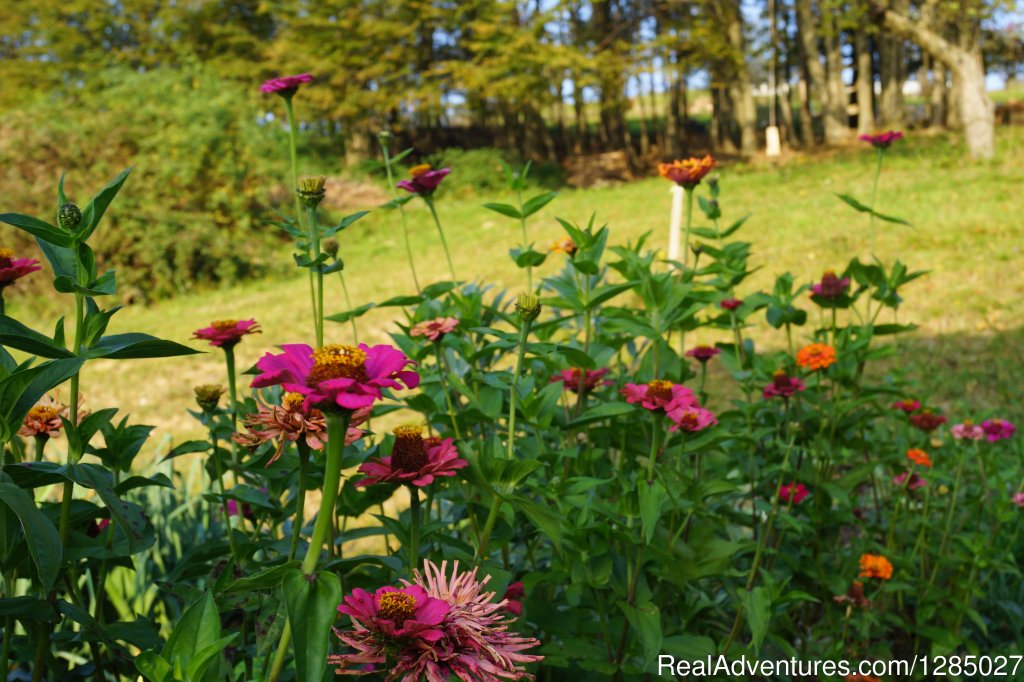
[(416, 521), (688, 191), (337, 428), (229, 361), (949, 519), (440, 231), (293, 146), (348, 305), (69, 486), (652, 458), (442, 370), (874, 199), (314, 240), (522, 226), (40, 446), (223, 492), (300, 497), (401, 211)]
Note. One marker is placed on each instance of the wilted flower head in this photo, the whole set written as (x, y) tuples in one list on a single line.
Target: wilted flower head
[(915, 482), (854, 596), (882, 140), (12, 269), (918, 456), (226, 333), (424, 180), (998, 429), (470, 640), (564, 245), (830, 287), (44, 419), (285, 86), (926, 420), (414, 460), (591, 378), (875, 566), (816, 356), (336, 377), (208, 396), (968, 430), (435, 329), (783, 385), (731, 304), (311, 190), (793, 492), (687, 172), (908, 405), (703, 353)]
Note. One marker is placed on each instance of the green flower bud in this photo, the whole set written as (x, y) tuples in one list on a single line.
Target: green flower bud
[(384, 136), (528, 306), (330, 247), (208, 396), (69, 216), (311, 190)]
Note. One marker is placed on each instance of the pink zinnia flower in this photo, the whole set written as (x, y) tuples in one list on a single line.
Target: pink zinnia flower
[(44, 419), (793, 492), (659, 395), (12, 269), (591, 379), (395, 614), (927, 421), (474, 642), (830, 287), (414, 460), (702, 353), (336, 376), (909, 405), (882, 140), (226, 333), (513, 594), (435, 329), (424, 180), (690, 418), (292, 420), (1018, 499), (967, 431), (998, 429), (97, 527), (247, 512), (286, 86), (783, 385), (915, 481), (731, 304)]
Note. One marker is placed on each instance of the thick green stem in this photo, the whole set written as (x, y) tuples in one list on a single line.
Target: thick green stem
[(229, 362), (337, 428), (293, 146), (874, 199), (300, 497), (949, 519), (415, 524), (348, 305), (440, 231), (40, 446), (526, 240), (314, 240), (442, 370), (401, 211), (686, 256), (224, 502), (652, 458)]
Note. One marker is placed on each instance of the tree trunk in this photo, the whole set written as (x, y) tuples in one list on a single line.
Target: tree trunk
[(977, 115), (939, 95), (740, 89), (836, 120), (865, 84), (674, 123), (813, 71)]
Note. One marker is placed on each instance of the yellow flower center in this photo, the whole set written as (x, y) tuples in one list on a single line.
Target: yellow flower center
[(659, 388), (410, 453), (337, 362), (224, 325), (293, 401), (43, 413), (419, 170), (6, 253), (397, 607)]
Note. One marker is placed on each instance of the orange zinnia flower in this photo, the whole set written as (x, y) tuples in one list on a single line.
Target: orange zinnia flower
[(918, 456), (816, 356), (687, 172), (875, 566)]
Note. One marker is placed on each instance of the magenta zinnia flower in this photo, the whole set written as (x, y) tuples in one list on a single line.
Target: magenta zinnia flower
[(286, 86), (909, 405), (414, 460), (226, 333), (731, 304), (1018, 499), (424, 179), (998, 429), (395, 614), (690, 418), (831, 286), (659, 395), (967, 431), (12, 269), (513, 594), (435, 329), (927, 421), (783, 385), (793, 492), (336, 377), (590, 380), (915, 481), (703, 353), (882, 140)]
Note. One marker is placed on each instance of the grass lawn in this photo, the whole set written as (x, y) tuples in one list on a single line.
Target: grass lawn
[(967, 232)]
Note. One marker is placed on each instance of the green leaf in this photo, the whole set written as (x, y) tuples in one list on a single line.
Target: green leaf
[(93, 213), (528, 258), (537, 203), (349, 314), (28, 609), (134, 346), (757, 604), (867, 209), (267, 579), (312, 603), (14, 334), (652, 498), (602, 411), (198, 629), (153, 667), (542, 517), (645, 619), (42, 538), (38, 228), (62, 259), (505, 209)]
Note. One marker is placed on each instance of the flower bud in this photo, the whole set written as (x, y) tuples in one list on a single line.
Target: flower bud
[(528, 306), (311, 190), (69, 216), (208, 396), (697, 248), (330, 247), (385, 137)]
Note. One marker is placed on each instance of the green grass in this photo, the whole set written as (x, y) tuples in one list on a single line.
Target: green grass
[(967, 233)]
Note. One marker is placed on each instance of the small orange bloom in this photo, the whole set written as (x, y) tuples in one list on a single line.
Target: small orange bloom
[(687, 172), (875, 566), (565, 245), (918, 456), (816, 356)]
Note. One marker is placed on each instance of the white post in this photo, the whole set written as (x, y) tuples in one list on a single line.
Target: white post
[(774, 144), (676, 227)]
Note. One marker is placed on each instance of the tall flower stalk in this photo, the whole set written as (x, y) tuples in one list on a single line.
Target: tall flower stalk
[(440, 231), (311, 192), (424, 182), (385, 138)]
